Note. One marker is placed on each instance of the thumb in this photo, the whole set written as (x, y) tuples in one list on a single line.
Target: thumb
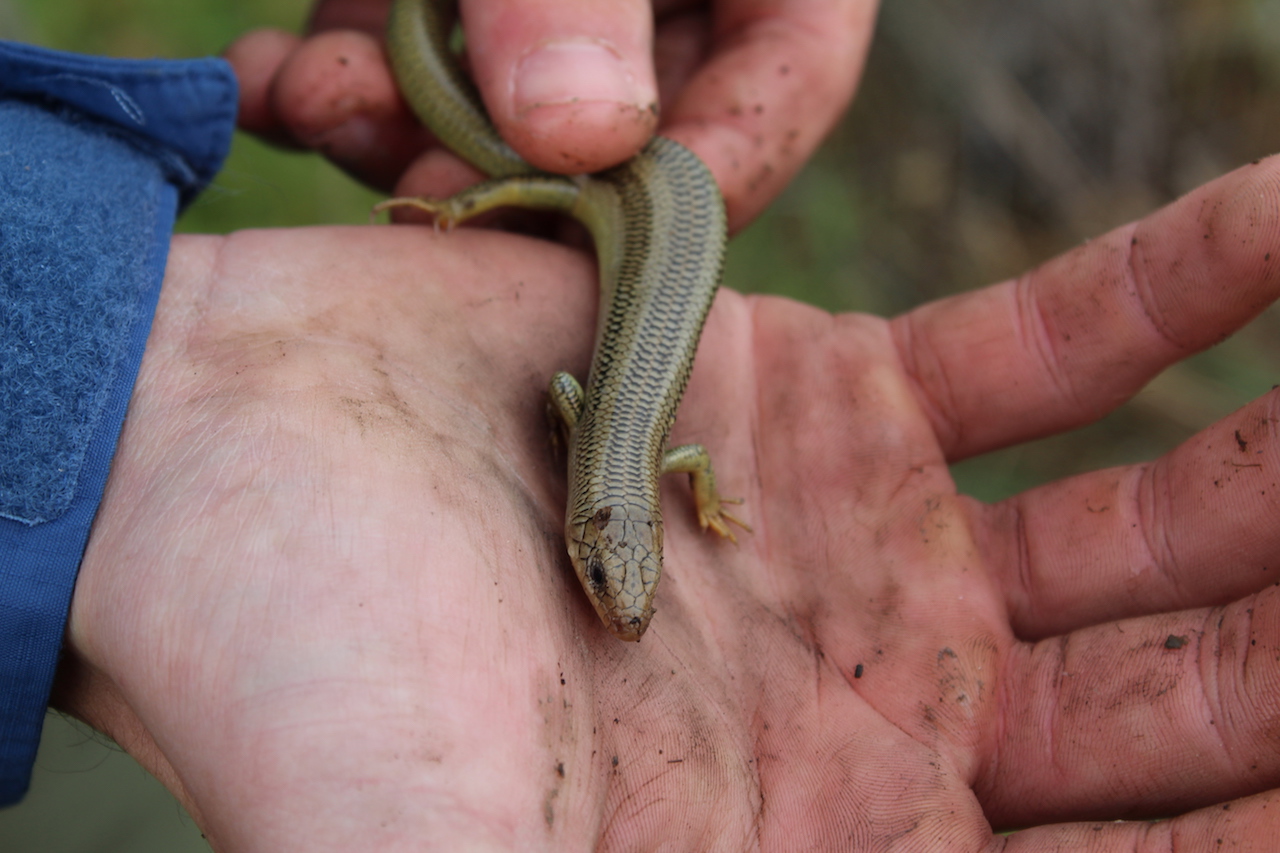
[(568, 83)]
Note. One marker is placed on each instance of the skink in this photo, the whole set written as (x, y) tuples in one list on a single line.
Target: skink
[(658, 224)]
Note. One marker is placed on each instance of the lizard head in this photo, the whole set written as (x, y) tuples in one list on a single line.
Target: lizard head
[(617, 553)]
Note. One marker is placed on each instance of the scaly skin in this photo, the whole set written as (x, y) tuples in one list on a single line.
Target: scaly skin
[(658, 222)]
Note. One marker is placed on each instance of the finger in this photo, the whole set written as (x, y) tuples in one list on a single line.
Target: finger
[(1194, 528), (1068, 342), (256, 58), (779, 75), (568, 83), (1247, 826), (334, 93), (1145, 717)]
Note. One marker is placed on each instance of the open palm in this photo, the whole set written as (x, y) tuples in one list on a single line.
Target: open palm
[(327, 601)]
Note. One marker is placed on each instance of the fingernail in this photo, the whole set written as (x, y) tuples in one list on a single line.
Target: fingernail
[(573, 70)]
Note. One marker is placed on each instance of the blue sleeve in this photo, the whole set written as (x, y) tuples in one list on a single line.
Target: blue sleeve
[(96, 158)]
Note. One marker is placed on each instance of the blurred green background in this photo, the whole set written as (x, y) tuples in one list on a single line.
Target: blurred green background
[(988, 136)]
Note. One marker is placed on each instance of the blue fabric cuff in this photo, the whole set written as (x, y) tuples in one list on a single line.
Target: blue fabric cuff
[(96, 156)]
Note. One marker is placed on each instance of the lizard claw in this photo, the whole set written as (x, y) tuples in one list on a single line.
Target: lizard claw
[(717, 519)]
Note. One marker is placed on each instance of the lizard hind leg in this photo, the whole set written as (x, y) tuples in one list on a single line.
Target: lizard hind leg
[(535, 192)]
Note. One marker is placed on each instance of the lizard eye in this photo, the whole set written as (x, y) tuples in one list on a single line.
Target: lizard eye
[(595, 571)]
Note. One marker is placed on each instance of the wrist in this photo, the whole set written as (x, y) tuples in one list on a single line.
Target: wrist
[(82, 263)]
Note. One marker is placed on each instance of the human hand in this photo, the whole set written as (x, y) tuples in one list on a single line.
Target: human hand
[(751, 86), (326, 598)]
